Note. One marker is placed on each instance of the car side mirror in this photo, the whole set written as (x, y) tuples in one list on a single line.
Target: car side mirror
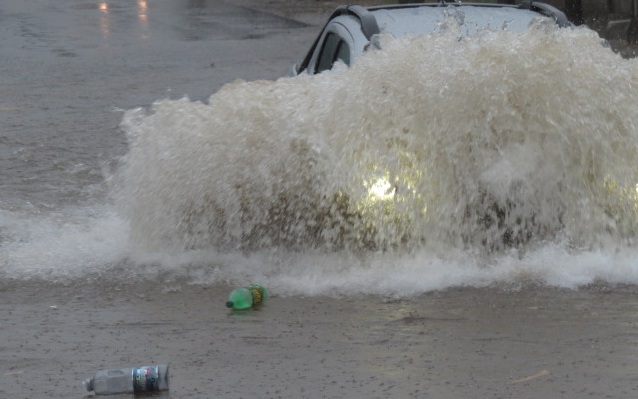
[(374, 43), (294, 71)]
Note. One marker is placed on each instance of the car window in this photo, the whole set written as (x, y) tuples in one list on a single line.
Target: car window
[(333, 49), (343, 53)]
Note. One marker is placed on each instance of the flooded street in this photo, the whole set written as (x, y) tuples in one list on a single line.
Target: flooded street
[(69, 69), (151, 160), (479, 343)]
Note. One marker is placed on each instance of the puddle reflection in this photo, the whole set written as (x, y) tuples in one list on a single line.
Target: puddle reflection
[(195, 20), (142, 16), (142, 10), (104, 20)]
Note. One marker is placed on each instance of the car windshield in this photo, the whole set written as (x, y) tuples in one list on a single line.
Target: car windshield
[(424, 20)]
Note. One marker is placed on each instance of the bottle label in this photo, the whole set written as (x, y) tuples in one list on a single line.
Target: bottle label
[(257, 296), (146, 379)]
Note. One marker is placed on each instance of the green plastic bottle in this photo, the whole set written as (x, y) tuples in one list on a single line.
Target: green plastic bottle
[(247, 297)]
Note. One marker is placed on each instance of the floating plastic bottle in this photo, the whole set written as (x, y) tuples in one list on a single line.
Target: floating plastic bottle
[(247, 297), (129, 380)]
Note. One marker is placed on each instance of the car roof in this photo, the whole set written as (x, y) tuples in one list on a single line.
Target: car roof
[(424, 17), (423, 20)]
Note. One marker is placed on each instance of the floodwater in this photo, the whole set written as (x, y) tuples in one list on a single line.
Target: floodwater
[(69, 70), (478, 205)]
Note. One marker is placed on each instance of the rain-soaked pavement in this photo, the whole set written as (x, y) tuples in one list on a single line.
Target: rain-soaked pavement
[(68, 67)]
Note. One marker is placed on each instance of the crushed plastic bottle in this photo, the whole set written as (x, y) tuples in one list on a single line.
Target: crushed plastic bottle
[(247, 297), (129, 380)]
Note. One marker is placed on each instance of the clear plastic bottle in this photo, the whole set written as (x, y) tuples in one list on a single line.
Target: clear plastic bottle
[(247, 297), (129, 380)]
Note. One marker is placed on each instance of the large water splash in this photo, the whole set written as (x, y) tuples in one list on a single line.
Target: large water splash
[(487, 142)]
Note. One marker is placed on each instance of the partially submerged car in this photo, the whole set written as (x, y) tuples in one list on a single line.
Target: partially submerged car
[(351, 30)]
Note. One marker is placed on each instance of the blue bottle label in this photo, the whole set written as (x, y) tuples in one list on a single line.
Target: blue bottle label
[(146, 379)]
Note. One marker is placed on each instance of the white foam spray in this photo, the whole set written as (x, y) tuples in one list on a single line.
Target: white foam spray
[(490, 141), (62, 246), (435, 162)]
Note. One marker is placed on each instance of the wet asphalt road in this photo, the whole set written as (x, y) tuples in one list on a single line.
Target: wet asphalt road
[(68, 68)]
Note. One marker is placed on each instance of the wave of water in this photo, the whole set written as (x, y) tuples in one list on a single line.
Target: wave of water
[(496, 140), (436, 162), (62, 245), (95, 248)]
